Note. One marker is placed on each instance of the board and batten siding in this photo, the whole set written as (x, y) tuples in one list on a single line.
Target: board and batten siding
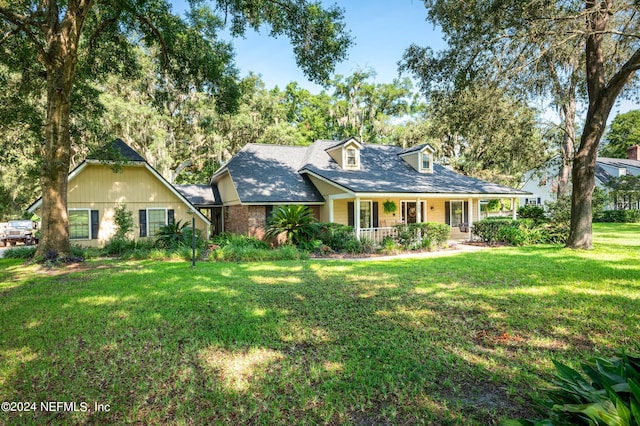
[(100, 188)]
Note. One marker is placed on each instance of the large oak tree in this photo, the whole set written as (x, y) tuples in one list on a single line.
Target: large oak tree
[(559, 48), (69, 44)]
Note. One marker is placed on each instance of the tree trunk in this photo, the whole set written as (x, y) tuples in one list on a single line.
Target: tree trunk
[(59, 58), (568, 145), (602, 96), (54, 238)]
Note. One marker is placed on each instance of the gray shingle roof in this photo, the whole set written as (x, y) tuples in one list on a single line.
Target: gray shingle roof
[(269, 174), (200, 195), (383, 171), (603, 175), (117, 150)]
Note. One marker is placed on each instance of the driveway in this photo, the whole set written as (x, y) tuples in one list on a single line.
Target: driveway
[(2, 249)]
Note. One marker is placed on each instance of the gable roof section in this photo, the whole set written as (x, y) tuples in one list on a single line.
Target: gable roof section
[(383, 171), (339, 144), (416, 148), (117, 150), (120, 150), (265, 174)]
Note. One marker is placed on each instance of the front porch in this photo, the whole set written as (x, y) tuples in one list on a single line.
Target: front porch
[(374, 218), (377, 235)]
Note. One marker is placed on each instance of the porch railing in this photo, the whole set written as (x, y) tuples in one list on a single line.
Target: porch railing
[(377, 234)]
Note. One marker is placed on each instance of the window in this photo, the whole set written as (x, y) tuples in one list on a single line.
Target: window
[(79, 224), (542, 182), (426, 161), (352, 160), (457, 213), (156, 219), (366, 216)]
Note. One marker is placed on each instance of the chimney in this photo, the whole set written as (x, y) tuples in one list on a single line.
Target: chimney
[(633, 152)]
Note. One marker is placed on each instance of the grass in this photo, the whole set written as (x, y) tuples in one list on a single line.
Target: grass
[(466, 339)]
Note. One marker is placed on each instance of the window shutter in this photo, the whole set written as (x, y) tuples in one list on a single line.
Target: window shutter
[(375, 214), (466, 212), (95, 224), (539, 201), (171, 217), (447, 212), (143, 223), (350, 213)]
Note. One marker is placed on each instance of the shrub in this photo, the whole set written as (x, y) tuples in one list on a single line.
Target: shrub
[(422, 235), (353, 246), (117, 246), (618, 216), (607, 394), (515, 232), (406, 237), (123, 220), (436, 233), (532, 212), (338, 237), (389, 245), (560, 210), (247, 253), (238, 240), (553, 233), (20, 252)]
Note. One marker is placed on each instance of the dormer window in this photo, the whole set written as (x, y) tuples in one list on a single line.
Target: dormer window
[(346, 153), (352, 159), (419, 157), (426, 161)]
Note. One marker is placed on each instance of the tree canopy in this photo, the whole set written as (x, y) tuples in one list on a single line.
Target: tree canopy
[(57, 51), (624, 132)]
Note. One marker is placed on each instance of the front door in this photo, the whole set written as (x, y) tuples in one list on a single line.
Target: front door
[(409, 213)]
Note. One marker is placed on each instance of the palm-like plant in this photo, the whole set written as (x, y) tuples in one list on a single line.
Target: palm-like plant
[(172, 235), (294, 220)]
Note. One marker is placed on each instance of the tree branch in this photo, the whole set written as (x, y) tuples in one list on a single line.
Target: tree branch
[(22, 23), (164, 49)]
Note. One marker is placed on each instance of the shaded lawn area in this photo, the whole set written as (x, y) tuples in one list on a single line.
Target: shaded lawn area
[(464, 339)]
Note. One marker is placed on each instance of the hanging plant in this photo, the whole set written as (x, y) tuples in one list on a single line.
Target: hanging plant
[(389, 206)]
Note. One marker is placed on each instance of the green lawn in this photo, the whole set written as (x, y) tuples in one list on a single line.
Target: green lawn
[(464, 339)]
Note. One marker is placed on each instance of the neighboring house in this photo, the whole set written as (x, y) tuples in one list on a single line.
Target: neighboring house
[(348, 182), (96, 187), (542, 182)]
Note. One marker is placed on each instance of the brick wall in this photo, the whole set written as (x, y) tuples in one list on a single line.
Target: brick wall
[(236, 219), (251, 220)]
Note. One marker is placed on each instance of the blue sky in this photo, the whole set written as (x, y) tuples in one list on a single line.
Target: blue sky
[(382, 30)]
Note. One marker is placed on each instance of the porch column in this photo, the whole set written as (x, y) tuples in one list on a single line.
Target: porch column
[(470, 217), (356, 217), (513, 209), (330, 200), (419, 218)]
